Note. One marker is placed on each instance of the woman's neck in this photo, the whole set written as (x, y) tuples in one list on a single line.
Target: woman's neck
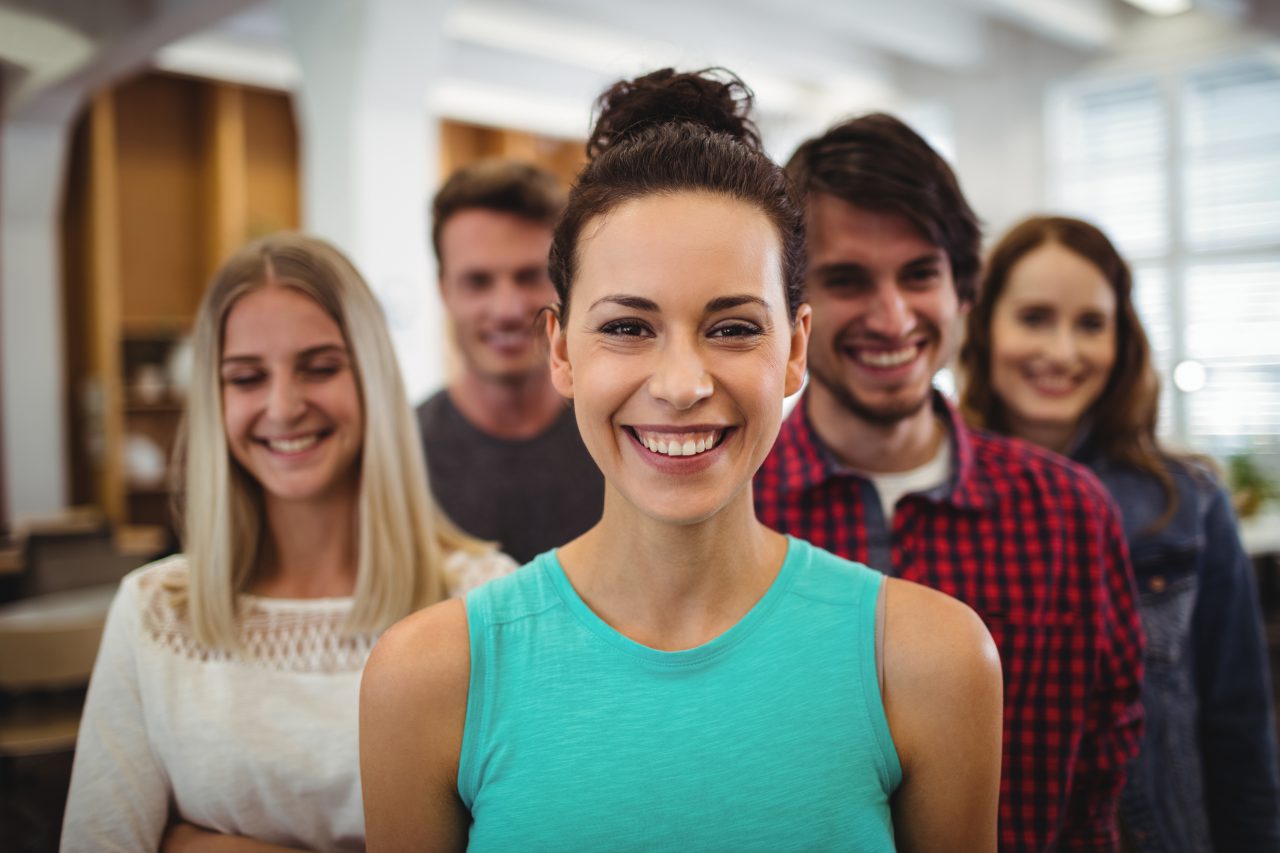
[(1055, 437), (673, 586), (311, 548)]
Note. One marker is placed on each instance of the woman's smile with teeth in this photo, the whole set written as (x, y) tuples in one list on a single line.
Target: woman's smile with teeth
[(296, 444), (1053, 382), (679, 444)]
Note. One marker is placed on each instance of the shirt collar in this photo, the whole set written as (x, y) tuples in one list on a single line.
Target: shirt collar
[(817, 463)]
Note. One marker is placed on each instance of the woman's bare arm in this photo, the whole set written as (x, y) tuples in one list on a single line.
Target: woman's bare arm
[(943, 696), (413, 702)]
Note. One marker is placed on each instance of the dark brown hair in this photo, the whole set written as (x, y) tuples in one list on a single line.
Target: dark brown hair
[(669, 132), (504, 186), (878, 163), (1123, 418)]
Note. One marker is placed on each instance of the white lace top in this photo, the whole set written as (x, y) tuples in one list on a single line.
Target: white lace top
[(261, 744)]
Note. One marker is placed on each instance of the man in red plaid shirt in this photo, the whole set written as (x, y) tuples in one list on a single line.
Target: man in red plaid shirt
[(876, 466)]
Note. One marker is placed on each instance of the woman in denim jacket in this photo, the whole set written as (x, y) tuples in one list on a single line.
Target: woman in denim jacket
[(1055, 354)]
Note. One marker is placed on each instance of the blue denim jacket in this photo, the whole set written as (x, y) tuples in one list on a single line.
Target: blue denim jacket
[(1206, 777)]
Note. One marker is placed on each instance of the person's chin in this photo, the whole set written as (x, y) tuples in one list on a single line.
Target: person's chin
[(509, 372), (885, 407)]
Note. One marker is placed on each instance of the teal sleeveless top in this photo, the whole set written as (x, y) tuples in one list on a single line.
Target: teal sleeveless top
[(772, 736)]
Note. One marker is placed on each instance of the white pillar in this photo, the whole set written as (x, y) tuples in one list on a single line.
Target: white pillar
[(370, 152), (33, 156), (35, 460)]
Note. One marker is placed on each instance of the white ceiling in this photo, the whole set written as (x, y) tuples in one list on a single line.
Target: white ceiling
[(535, 63)]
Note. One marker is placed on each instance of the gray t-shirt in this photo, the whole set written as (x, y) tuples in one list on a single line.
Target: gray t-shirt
[(527, 495)]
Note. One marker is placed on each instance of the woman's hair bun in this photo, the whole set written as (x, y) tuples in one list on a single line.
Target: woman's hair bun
[(714, 97)]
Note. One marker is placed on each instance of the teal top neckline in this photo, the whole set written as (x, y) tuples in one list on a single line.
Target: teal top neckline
[(737, 633)]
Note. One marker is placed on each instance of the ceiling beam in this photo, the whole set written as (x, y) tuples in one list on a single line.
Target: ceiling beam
[(56, 96), (1088, 25), (937, 34), (43, 48)]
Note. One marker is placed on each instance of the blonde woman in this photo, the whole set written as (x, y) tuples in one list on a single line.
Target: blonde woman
[(223, 703)]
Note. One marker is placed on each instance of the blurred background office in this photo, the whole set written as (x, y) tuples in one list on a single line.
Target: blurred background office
[(143, 140)]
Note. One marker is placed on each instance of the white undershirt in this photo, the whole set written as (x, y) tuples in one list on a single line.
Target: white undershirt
[(930, 475)]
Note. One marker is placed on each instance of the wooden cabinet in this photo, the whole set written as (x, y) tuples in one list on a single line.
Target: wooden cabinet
[(168, 175), (462, 144)]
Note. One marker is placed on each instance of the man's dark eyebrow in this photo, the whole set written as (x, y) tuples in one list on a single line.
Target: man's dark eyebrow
[(848, 268), (840, 268), (724, 303), (323, 349), (635, 303)]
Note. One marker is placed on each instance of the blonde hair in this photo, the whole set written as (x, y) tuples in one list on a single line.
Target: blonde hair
[(403, 537)]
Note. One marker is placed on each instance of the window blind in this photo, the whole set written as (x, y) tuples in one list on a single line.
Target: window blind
[(1110, 155), (1118, 160)]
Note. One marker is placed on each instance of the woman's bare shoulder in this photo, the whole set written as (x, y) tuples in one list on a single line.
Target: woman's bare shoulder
[(413, 702), (423, 658), (943, 699), (936, 647)]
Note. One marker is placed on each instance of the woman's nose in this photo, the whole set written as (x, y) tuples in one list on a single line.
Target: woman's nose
[(1060, 346), (285, 400), (680, 377)]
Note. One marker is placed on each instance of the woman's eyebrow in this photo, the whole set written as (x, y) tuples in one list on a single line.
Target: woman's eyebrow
[(724, 303), (636, 303), (322, 349), (241, 359)]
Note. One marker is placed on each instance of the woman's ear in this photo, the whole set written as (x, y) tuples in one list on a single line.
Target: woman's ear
[(797, 358), (561, 369)]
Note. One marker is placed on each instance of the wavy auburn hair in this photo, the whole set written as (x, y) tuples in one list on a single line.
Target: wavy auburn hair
[(1123, 418)]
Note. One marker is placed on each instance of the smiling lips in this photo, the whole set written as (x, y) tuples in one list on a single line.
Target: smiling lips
[(679, 443), (294, 444), (1052, 384), (883, 359), (508, 339)]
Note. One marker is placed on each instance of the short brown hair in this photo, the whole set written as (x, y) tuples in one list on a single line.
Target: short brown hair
[(505, 186), (878, 163)]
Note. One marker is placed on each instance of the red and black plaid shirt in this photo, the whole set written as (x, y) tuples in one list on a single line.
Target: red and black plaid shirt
[(1031, 542)]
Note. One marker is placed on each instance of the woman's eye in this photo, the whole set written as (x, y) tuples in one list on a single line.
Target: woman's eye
[(1093, 324), (625, 329), (923, 277), (736, 330), (322, 371), (1034, 317), (242, 380)]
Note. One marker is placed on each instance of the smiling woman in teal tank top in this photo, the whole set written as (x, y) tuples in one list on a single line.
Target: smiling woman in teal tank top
[(680, 677)]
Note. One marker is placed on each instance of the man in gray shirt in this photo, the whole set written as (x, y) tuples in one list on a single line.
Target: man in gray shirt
[(503, 451)]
